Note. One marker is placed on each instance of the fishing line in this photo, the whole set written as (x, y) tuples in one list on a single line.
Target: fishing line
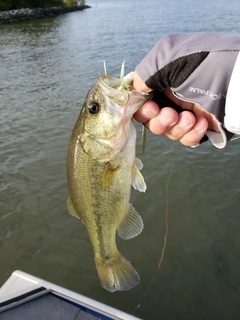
[(235, 138), (165, 235), (166, 213)]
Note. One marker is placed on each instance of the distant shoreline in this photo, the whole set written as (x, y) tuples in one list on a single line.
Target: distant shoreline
[(36, 13)]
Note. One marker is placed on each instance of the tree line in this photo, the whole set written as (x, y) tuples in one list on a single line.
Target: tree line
[(19, 4)]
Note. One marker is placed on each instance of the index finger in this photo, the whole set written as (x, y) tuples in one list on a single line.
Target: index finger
[(149, 110)]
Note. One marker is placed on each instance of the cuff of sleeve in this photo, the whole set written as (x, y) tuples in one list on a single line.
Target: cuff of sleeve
[(219, 139)]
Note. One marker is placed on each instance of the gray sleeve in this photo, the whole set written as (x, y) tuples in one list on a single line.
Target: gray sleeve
[(197, 67), (184, 48)]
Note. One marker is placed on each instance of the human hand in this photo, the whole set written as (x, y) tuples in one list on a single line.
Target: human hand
[(188, 127)]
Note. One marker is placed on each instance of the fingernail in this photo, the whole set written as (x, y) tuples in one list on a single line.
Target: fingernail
[(184, 122), (200, 126), (167, 121)]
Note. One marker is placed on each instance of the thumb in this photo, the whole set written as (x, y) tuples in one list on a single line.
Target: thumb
[(139, 84)]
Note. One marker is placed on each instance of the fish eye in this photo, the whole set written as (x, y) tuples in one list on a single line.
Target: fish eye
[(93, 107)]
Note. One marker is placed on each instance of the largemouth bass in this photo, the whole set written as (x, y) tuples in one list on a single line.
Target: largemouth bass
[(101, 168)]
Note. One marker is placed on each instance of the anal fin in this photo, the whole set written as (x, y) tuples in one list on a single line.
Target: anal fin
[(132, 225)]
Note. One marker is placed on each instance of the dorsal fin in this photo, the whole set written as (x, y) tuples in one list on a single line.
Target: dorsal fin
[(71, 208)]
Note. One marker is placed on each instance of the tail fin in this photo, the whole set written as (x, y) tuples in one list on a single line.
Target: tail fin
[(117, 274)]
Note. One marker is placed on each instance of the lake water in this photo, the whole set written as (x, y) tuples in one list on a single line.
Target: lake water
[(46, 69)]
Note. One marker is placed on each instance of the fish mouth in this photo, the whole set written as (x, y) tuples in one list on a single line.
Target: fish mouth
[(112, 85), (120, 91)]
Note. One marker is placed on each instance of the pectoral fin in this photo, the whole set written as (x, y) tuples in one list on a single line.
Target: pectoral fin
[(132, 225), (138, 182), (71, 208), (138, 163)]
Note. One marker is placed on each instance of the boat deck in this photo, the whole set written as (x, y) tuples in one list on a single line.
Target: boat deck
[(25, 297), (48, 306)]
